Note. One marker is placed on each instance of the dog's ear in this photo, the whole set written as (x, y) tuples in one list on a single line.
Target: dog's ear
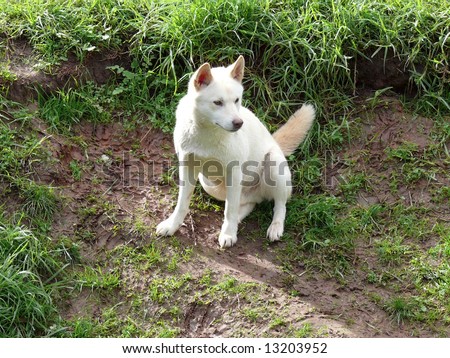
[(237, 69), (203, 77)]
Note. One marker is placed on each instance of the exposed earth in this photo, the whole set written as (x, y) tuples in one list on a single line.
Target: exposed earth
[(126, 189)]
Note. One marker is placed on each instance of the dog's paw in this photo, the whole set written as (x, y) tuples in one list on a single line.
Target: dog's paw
[(226, 240), (166, 228), (275, 231)]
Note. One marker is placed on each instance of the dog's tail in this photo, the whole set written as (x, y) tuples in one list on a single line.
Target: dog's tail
[(294, 131)]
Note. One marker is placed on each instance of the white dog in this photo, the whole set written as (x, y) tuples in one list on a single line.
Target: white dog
[(232, 153)]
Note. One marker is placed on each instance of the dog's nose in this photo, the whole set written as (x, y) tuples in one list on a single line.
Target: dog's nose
[(237, 123)]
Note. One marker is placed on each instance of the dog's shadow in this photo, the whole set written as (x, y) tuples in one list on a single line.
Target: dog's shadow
[(253, 257)]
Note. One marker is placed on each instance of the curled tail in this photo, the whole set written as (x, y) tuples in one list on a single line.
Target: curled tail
[(294, 131)]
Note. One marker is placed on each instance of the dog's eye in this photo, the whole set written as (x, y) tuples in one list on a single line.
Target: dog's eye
[(218, 103), (236, 101)]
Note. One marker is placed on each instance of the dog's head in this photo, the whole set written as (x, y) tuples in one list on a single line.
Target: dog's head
[(218, 94)]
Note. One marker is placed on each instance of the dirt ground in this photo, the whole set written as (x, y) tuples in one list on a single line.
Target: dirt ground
[(346, 310), (127, 168)]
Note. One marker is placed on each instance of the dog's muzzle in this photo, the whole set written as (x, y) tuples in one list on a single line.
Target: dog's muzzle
[(237, 123)]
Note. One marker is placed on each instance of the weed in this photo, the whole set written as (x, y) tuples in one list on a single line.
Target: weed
[(178, 257), (441, 194), (75, 168), (86, 235), (413, 173), (17, 154), (372, 277), (68, 250), (391, 250), (96, 278), (306, 331), (352, 184), (400, 309), (251, 314), (139, 227), (161, 290), (88, 211), (39, 200), (152, 255), (206, 278), (82, 328), (406, 152), (308, 174), (376, 100), (277, 322), (173, 263), (369, 218), (112, 323), (204, 202), (325, 231), (146, 258), (136, 93)]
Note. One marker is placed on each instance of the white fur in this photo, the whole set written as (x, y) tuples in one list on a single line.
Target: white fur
[(205, 132)]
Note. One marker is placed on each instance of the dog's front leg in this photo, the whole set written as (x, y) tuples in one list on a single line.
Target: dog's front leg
[(228, 234), (188, 170)]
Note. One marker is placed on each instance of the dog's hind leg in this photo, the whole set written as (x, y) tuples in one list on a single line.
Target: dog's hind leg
[(278, 188), (216, 189), (276, 228), (245, 209)]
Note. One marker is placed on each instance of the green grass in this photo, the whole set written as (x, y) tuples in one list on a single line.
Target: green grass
[(400, 308), (162, 290), (295, 50), (40, 201), (327, 237), (95, 278), (75, 169), (391, 250), (30, 275), (18, 154), (33, 265), (64, 109)]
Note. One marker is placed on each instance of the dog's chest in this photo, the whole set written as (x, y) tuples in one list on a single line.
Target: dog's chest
[(210, 147)]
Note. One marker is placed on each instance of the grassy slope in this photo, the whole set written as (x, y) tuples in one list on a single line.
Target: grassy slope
[(294, 53), (296, 50), (32, 264)]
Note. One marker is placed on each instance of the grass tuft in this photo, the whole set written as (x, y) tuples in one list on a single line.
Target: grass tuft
[(26, 279)]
